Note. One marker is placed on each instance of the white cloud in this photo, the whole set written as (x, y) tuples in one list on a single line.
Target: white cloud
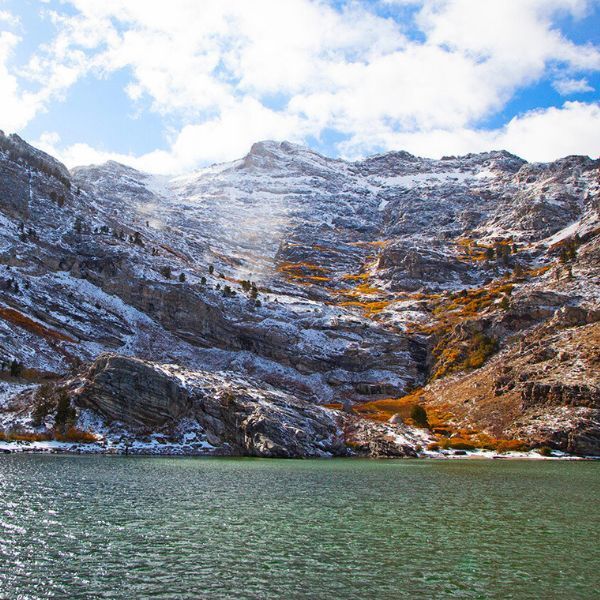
[(544, 135), (569, 86), (227, 136), (233, 71), (540, 135), (16, 108), (9, 19)]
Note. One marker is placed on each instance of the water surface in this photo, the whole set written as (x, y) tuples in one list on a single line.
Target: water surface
[(133, 527)]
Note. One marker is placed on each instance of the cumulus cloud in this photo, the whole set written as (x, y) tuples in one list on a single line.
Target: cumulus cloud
[(230, 72), (16, 106), (539, 135)]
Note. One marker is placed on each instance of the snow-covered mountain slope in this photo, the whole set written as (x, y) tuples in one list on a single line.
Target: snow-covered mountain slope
[(333, 281)]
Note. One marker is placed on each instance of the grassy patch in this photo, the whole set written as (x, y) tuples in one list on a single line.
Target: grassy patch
[(16, 318), (75, 436), (455, 356)]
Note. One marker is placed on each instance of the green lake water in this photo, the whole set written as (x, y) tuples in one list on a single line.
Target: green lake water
[(133, 527)]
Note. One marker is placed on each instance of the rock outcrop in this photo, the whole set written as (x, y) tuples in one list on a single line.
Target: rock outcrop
[(543, 389), (238, 417)]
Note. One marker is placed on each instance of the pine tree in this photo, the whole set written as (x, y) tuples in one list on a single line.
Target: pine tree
[(419, 415), (16, 368), (65, 413)]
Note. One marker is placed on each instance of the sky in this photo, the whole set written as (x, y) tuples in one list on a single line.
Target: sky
[(170, 86)]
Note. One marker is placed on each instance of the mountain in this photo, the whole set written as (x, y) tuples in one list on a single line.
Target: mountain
[(289, 304)]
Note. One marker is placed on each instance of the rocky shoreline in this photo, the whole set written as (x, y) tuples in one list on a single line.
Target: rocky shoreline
[(183, 451)]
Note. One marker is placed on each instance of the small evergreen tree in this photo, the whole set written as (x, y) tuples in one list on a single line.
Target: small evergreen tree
[(16, 368), (211, 269), (65, 413), (182, 277), (43, 404), (419, 415)]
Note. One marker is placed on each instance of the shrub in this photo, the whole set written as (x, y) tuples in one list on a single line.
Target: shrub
[(456, 444), (166, 272), (419, 415), (482, 348), (23, 436), (75, 436), (511, 446), (461, 445), (544, 451)]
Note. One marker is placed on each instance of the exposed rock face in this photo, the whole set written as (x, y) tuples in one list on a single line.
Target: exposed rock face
[(133, 392), (29, 172), (536, 394), (235, 416), (410, 266), (544, 389)]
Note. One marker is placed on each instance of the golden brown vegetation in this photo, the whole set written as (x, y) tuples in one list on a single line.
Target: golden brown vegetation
[(25, 322), (71, 435), (452, 356), (75, 436)]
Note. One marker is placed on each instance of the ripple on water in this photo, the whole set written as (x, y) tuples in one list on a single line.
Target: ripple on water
[(85, 527)]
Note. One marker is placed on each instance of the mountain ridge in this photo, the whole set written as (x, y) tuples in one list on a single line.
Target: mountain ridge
[(334, 282), (270, 143)]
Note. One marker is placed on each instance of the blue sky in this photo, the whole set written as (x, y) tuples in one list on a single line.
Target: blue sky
[(171, 86)]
